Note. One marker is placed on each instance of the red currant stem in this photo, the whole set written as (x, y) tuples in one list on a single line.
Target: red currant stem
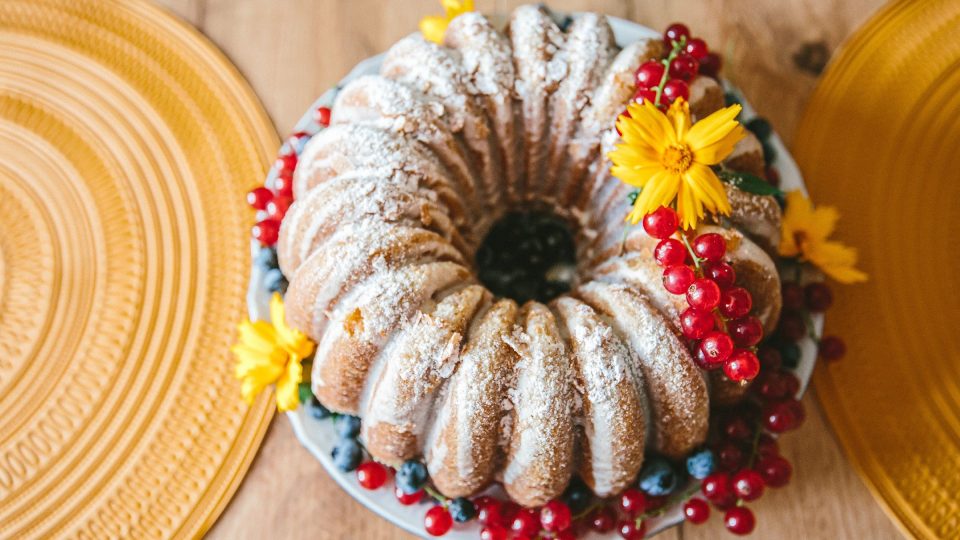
[(755, 445), (435, 494), (677, 47), (669, 503), (693, 255), (589, 509)]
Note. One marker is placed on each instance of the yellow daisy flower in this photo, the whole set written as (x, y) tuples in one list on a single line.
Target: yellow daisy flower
[(804, 235), (434, 27), (270, 353), (669, 158)]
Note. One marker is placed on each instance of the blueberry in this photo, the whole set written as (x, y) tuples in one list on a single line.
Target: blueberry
[(657, 477), (266, 258), (411, 476), (769, 152), (347, 455), (317, 410), (462, 510), (577, 495), (731, 99), (348, 427), (274, 281), (632, 196), (790, 352), (760, 127), (700, 464)]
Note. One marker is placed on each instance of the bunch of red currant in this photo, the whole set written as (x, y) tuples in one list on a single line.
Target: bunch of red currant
[(273, 201), (661, 82), (718, 318)]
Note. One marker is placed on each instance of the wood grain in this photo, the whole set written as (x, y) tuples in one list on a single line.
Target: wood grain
[(292, 51)]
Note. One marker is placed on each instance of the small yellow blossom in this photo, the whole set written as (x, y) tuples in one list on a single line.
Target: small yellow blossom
[(434, 27), (669, 158), (270, 353), (804, 235)]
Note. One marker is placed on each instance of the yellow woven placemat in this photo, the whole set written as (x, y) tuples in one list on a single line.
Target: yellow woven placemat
[(126, 144), (880, 139)]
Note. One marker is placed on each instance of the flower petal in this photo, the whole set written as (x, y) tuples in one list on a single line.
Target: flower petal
[(689, 207), (288, 386), (705, 185), (659, 191), (679, 116), (712, 139), (433, 28), (836, 260), (647, 124)]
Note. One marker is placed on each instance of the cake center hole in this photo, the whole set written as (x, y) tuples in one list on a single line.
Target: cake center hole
[(528, 256)]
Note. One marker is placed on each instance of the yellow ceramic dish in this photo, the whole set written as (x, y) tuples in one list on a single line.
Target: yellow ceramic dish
[(880, 140)]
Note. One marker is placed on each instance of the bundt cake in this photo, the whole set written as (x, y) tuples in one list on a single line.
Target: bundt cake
[(393, 200)]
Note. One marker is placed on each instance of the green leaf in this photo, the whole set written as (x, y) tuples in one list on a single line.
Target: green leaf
[(749, 183)]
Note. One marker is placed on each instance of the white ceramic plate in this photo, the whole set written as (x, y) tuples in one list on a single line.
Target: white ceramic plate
[(319, 437)]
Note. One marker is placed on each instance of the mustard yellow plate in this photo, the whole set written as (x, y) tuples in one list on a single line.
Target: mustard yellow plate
[(881, 140), (126, 144)]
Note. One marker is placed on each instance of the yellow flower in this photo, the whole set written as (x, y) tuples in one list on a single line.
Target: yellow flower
[(669, 158), (434, 27), (804, 235), (270, 353)]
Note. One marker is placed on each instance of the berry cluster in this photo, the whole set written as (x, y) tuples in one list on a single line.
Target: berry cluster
[(271, 202), (799, 302), (662, 82), (718, 320)]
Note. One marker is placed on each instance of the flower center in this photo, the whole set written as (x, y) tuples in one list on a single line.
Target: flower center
[(677, 158)]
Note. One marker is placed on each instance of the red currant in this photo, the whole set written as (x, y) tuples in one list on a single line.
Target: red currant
[(697, 48), (792, 327), (792, 295), (670, 251), (407, 499), (718, 489), (782, 416), (716, 348), (437, 521), (675, 89), (735, 302), (791, 385), (818, 297), (832, 348), (555, 516), (508, 511), (649, 74), (771, 386), (602, 519), (488, 510), (286, 162), (710, 246), (675, 32), (565, 535), (739, 520), (277, 207), (678, 278), (770, 358), (661, 223), (743, 365), (745, 332), (629, 530), (283, 185), (696, 324), (767, 446), (773, 176), (710, 65), (493, 532), (297, 140), (267, 232), (633, 502), (735, 427), (645, 95), (526, 522), (322, 116), (684, 67), (696, 511), (258, 198), (775, 471), (655, 502), (748, 484), (720, 272), (730, 456), (371, 475), (703, 294)]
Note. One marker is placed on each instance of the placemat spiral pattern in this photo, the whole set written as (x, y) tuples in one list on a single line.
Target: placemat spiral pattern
[(126, 144)]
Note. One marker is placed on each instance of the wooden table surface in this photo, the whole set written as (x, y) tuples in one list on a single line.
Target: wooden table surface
[(291, 51)]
